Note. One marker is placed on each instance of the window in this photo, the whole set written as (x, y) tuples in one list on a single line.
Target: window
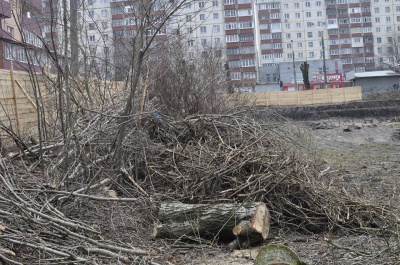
[(128, 9), (249, 75), (246, 25), (90, 2), (309, 34), (298, 35), (377, 19), (300, 55), (287, 25), (217, 40), (229, 2), (289, 45), (203, 42), (106, 50), (233, 64), (235, 76), (203, 29), (92, 26), (188, 18), (379, 40), (232, 51), (246, 37), (10, 31), (129, 21), (296, 5), (202, 16), (310, 24), (308, 14), (215, 15), (285, 6), (91, 13), (318, 3), (244, 12), (191, 55), (216, 28), (310, 44), (310, 54), (215, 3), (201, 4), (229, 26), (92, 38), (104, 25), (232, 38), (9, 51), (308, 4), (376, 10), (389, 29), (189, 30), (298, 25), (287, 36), (190, 43), (387, 9), (230, 13), (297, 15), (388, 19), (319, 13), (299, 45), (104, 13), (248, 62), (286, 16)]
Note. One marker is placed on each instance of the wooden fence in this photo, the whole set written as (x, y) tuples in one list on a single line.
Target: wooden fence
[(17, 107), (305, 97)]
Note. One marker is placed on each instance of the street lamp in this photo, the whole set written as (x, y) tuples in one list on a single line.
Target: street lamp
[(294, 67), (324, 64)]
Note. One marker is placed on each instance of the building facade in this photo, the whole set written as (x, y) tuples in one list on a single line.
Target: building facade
[(20, 35)]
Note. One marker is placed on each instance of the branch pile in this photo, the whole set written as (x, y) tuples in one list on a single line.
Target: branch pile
[(200, 159)]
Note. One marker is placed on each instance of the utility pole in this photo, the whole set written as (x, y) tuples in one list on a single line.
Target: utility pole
[(294, 68), (324, 65)]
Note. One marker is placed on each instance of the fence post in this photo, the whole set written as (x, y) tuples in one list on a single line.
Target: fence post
[(16, 116)]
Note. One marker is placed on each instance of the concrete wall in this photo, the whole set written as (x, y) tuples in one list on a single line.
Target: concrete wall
[(372, 85)]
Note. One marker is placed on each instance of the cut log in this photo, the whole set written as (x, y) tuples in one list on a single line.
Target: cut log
[(253, 231), (208, 220)]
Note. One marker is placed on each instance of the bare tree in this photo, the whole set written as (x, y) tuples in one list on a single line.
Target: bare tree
[(389, 53), (185, 86)]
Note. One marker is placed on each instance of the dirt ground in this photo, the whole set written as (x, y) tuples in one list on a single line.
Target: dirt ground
[(363, 159)]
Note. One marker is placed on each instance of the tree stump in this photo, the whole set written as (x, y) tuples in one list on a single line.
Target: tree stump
[(210, 220), (277, 254)]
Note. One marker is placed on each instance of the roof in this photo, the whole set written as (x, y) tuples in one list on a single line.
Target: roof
[(373, 74)]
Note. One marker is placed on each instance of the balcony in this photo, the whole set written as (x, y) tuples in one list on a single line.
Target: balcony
[(5, 9)]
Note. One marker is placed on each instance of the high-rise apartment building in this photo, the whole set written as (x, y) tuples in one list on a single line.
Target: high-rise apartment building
[(253, 36)]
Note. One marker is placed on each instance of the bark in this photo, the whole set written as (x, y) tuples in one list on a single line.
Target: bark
[(206, 220)]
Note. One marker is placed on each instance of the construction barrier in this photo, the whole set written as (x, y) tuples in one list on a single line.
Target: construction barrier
[(18, 110), (304, 97)]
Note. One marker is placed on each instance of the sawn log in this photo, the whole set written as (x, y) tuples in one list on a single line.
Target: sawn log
[(210, 220)]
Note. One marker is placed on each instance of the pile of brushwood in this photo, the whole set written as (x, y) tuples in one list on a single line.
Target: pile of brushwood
[(72, 202)]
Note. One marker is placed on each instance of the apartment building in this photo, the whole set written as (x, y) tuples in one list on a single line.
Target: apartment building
[(253, 36), (19, 33), (95, 37)]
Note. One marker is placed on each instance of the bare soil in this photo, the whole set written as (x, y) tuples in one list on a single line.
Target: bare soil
[(361, 148)]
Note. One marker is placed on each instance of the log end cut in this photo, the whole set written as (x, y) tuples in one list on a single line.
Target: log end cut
[(277, 254)]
